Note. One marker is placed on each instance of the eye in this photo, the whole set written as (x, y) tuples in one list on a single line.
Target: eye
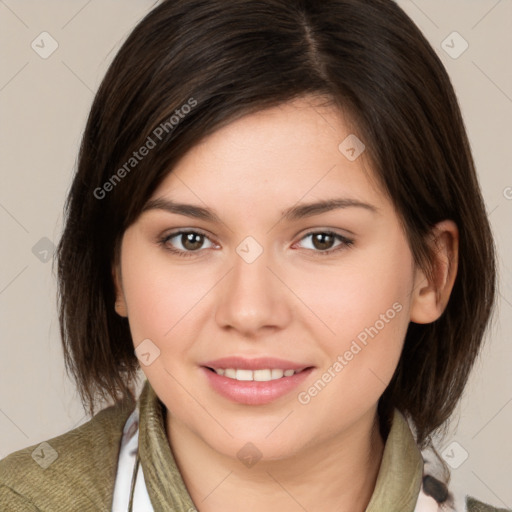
[(191, 241), (322, 242), (188, 242)]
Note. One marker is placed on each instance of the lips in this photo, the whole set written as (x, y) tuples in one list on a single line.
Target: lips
[(223, 377)]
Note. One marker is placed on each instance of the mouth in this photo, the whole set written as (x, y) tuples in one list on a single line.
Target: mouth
[(254, 381)]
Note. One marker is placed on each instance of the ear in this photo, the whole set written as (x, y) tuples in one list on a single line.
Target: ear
[(120, 305), (430, 296)]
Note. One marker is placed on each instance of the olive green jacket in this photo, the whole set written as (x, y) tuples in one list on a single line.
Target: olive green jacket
[(77, 470)]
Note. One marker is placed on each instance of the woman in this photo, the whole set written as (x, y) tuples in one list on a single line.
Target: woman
[(276, 206)]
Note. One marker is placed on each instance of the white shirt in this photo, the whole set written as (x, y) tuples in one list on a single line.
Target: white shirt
[(125, 469)]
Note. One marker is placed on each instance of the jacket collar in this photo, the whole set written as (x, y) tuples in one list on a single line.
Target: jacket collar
[(401, 470), (397, 487)]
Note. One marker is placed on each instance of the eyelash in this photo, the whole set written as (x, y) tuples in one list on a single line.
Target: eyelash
[(346, 243)]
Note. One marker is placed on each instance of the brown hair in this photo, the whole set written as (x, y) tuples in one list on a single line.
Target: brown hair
[(225, 60)]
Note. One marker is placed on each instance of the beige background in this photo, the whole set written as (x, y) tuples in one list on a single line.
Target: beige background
[(44, 103)]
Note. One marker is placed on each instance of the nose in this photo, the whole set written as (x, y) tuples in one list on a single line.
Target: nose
[(253, 298)]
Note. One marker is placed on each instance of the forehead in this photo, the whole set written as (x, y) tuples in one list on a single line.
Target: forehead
[(275, 157)]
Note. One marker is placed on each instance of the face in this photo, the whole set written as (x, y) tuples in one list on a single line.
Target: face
[(257, 276)]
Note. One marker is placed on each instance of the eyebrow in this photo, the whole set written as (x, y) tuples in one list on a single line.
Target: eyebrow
[(296, 212)]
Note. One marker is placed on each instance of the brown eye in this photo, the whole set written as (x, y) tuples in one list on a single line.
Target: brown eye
[(191, 241), (324, 242), (184, 243)]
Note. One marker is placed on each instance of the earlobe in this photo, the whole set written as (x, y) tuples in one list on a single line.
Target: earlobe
[(430, 294), (120, 307), (120, 304)]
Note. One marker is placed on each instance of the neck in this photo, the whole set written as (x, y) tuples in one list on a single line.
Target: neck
[(339, 472)]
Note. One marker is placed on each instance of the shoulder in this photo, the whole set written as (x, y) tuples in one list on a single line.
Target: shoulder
[(474, 505), (73, 471)]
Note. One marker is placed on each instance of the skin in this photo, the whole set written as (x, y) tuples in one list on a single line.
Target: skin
[(292, 302)]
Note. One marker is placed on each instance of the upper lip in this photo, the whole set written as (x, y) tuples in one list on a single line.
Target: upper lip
[(259, 363)]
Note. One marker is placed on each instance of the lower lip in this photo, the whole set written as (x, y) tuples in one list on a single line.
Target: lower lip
[(254, 392)]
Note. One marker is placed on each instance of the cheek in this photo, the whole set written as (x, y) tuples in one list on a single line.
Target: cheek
[(158, 295), (368, 287), (163, 302), (366, 307)]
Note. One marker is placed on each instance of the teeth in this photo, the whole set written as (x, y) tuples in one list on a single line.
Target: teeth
[(256, 375), (244, 375)]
